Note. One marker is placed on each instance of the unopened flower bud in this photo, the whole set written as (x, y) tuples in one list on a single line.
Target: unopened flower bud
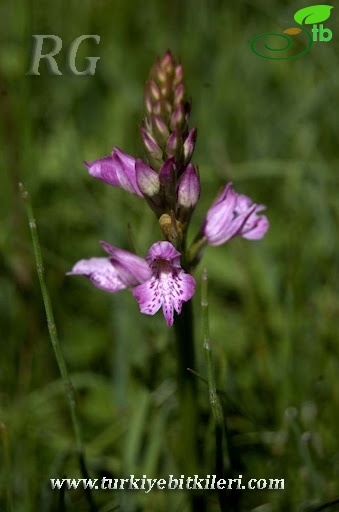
[(165, 90), (154, 90), (178, 117), (148, 102), (167, 63), (168, 181), (167, 173), (156, 110), (153, 151), (160, 130), (161, 76), (174, 143), (189, 145), (179, 94), (178, 75), (150, 144), (166, 108), (147, 179), (189, 188)]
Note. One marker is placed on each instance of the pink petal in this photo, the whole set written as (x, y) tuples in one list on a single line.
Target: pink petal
[(118, 170), (104, 169), (231, 215), (148, 296), (101, 272), (163, 251), (125, 170), (132, 269), (257, 229), (218, 225)]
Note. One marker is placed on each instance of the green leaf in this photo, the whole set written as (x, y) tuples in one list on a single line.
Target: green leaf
[(313, 14)]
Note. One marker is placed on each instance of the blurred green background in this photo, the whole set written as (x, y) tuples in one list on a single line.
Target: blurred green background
[(269, 126)]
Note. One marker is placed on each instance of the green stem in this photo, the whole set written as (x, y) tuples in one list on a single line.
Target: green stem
[(187, 387), (213, 395), (188, 443), (53, 334), (215, 404)]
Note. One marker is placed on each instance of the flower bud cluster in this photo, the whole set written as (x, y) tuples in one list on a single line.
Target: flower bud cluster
[(165, 132), (170, 183)]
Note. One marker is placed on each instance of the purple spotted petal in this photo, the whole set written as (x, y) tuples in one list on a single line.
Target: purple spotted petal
[(169, 286), (118, 170), (101, 272)]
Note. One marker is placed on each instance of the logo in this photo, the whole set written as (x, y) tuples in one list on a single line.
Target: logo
[(312, 15)]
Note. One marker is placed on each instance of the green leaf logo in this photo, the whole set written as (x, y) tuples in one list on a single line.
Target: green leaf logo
[(313, 14)]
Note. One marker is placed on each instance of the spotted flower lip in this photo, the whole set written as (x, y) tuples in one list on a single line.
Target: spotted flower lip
[(157, 281), (117, 169), (232, 215), (169, 285)]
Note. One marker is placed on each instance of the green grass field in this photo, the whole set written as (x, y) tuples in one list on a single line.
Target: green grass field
[(271, 127)]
